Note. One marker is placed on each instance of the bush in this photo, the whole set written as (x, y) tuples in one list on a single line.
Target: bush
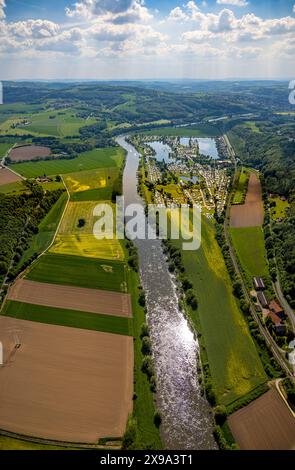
[(130, 434), (146, 347), (186, 284), (220, 414), (210, 394), (192, 299), (141, 299), (157, 419), (144, 330), (148, 366)]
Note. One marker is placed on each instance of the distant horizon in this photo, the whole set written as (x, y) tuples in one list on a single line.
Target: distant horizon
[(63, 80)]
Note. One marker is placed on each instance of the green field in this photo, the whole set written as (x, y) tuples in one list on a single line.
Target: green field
[(80, 271), (60, 123), (9, 443), (4, 148), (12, 187), (232, 356), (98, 158), (92, 185), (249, 246), (203, 130), (241, 190), (71, 318)]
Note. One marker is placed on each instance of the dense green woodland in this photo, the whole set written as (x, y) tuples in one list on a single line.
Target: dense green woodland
[(19, 218)]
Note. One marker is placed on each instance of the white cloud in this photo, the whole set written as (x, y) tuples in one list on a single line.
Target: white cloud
[(2, 6), (117, 11), (237, 3)]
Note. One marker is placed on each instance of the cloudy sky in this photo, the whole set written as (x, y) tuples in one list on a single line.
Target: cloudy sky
[(136, 39)]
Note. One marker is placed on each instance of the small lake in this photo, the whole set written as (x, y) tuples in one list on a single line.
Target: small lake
[(207, 145), (193, 179), (162, 151)]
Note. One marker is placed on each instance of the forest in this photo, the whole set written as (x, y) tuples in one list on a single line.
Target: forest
[(20, 216)]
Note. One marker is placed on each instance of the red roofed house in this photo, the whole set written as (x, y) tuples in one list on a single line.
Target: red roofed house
[(277, 309)]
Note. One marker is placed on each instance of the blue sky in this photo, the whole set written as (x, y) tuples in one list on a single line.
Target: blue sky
[(129, 39)]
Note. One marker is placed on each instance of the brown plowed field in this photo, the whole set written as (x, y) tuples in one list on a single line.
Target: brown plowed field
[(249, 214), (265, 424), (64, 383), (29, 152), (71, 297), (7, 177)]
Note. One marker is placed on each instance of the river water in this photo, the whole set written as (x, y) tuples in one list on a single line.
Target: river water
[(186, 419)]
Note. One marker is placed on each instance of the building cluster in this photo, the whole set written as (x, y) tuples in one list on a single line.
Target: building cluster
[(154, 174), (270, 309)]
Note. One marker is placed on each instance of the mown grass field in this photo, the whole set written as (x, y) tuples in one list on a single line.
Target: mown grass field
[(80, 271), (232, 356), (249, 246), (71, 318), (203, 130), (98, 158), (240, 192), (92, 185)]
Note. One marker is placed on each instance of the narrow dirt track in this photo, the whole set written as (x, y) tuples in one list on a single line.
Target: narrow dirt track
[(71, 297)]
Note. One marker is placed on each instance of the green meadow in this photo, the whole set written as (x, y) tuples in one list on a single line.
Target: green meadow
[(92, 185), (4, 148), (249, 246), (232, 356), (241, 190), (97, 158), (80, 271), (71, 318)]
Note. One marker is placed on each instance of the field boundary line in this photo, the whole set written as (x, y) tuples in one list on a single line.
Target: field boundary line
[(68, 445)]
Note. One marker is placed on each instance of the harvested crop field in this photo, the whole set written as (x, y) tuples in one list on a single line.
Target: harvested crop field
[(251, 213), (64, 383), (29, 152), (265, 424), (70, 297), (8, 177)]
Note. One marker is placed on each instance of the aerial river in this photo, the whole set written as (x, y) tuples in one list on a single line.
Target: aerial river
[(186, 419)]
